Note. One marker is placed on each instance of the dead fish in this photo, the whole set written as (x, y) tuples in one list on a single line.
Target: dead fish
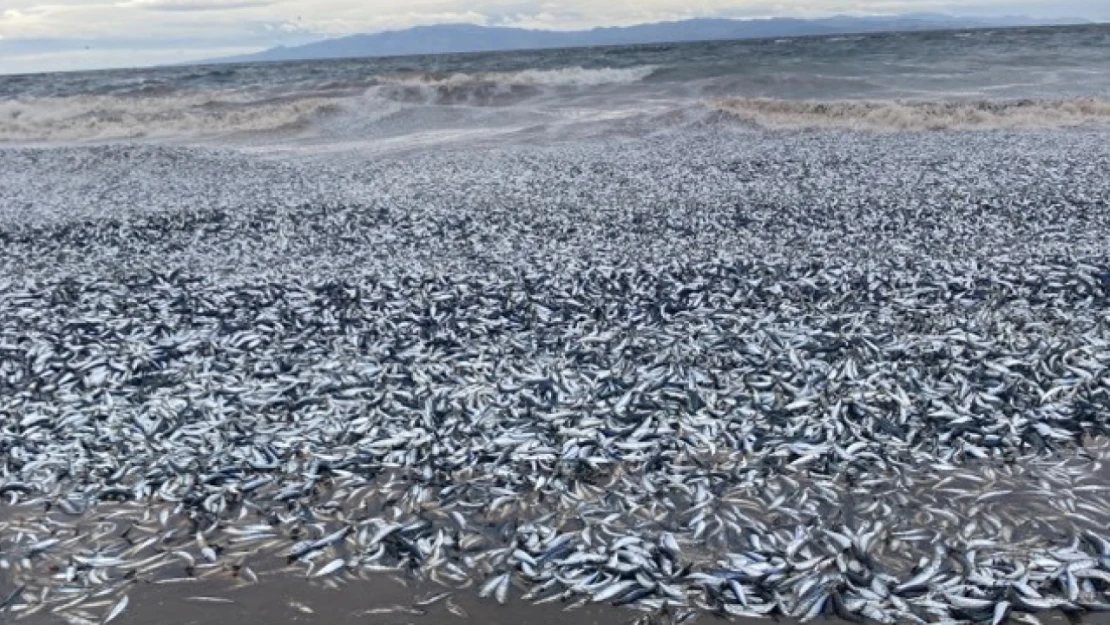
[(116, 610), (330, 567), (456, 609), (498, 586)]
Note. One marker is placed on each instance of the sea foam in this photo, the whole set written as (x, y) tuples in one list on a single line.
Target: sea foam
[(892, 115), (111, 117)]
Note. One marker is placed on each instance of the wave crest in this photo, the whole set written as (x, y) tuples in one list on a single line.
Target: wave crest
[(897, 116), (107, 117), (499, 88)]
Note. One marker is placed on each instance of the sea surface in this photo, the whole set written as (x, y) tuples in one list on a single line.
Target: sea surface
[(975, 79)]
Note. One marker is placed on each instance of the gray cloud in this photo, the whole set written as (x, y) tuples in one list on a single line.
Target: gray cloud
[(204, 6)]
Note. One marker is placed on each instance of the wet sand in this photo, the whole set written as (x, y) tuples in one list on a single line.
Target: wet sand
[(283, 595), (378, 602), (383, 600)]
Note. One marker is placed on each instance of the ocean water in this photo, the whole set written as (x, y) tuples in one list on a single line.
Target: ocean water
[(977, 79)]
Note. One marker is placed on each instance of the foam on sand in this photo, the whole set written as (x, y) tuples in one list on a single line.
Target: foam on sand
[(892, 115)]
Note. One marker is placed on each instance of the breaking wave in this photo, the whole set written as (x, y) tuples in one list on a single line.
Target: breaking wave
[(102, 117), (896, 116), (108, 117), (499, 88)]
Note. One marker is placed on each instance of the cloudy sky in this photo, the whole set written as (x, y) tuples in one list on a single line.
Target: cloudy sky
[(51, 35)]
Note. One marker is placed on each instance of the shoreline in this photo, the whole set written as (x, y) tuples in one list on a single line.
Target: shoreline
[(382, 599)]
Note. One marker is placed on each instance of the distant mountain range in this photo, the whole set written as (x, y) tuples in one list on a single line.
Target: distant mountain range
[(457, 38)]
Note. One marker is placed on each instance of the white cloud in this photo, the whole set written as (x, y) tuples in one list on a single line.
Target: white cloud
[(193, 5), (71, 60)]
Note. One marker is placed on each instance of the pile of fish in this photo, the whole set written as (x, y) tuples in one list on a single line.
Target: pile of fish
[(908, 433)]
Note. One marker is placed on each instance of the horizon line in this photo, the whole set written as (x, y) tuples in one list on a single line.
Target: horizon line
[(1058, 22)]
